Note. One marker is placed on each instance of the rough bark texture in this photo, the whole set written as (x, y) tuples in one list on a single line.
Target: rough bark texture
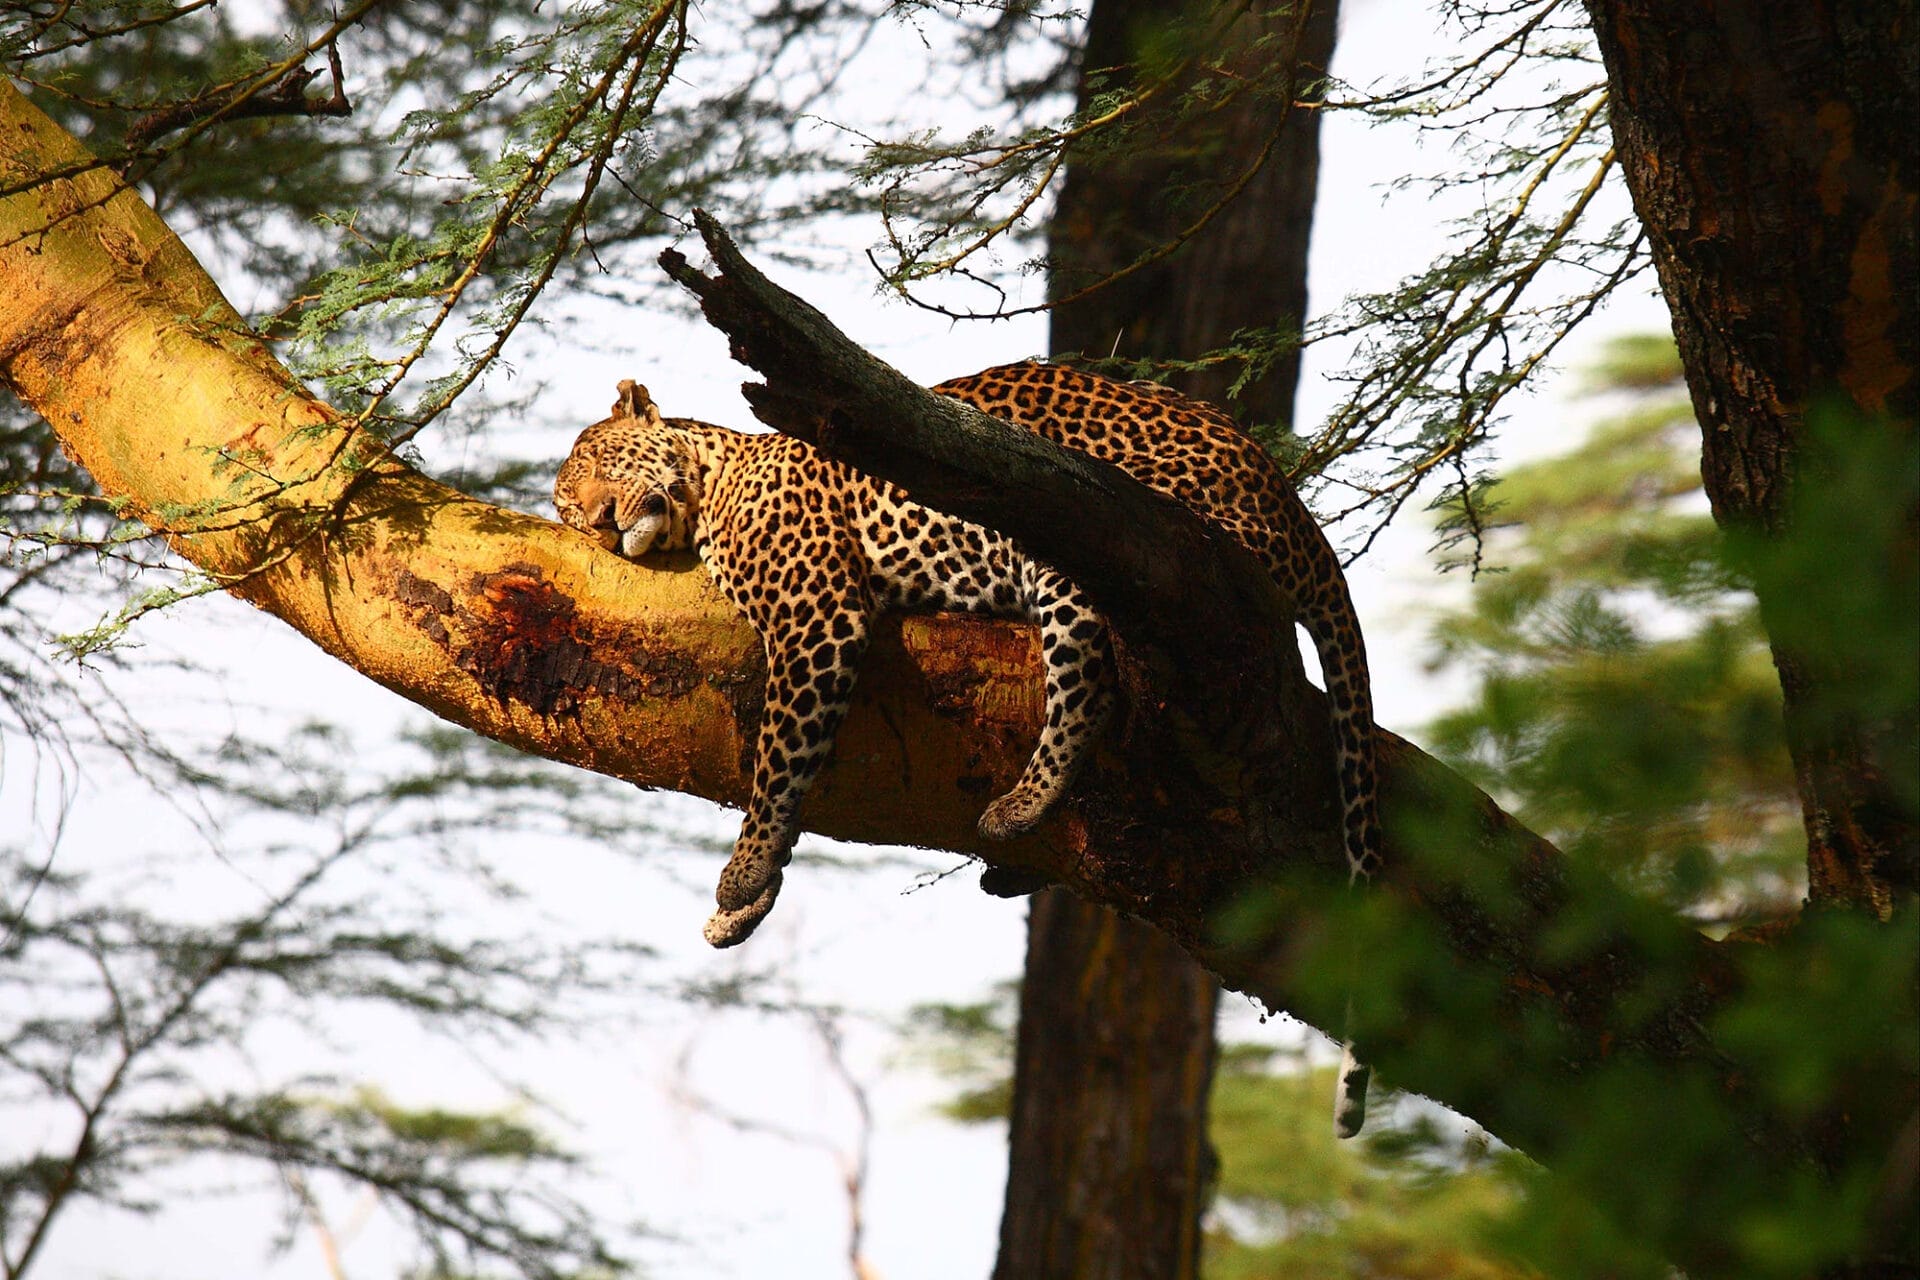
[(1109, 1166), (1208, 818), (1108, 1156), (1770, 152), (1769, 148)]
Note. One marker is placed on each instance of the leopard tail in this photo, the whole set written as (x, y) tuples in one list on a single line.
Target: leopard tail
[(1332, 623)]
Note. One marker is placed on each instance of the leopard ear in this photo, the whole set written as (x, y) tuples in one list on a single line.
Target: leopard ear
[(634, 402)]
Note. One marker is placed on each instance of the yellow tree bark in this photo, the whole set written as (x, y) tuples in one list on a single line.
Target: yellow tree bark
[(510, 625), (1533, 984)]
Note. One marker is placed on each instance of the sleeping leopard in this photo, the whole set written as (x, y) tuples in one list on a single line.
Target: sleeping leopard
[(813, 551)]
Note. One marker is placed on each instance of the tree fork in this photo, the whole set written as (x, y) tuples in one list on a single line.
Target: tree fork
[(1491, 893), (111, 331)]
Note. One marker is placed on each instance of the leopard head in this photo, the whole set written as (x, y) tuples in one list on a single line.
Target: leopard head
[(632, 481)]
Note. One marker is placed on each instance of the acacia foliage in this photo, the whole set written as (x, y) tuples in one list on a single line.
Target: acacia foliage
[(163, 1044), (433, 299), (1625, 703), (493, 151)]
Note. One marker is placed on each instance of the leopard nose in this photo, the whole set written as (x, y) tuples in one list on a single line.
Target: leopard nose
[(600, 514)]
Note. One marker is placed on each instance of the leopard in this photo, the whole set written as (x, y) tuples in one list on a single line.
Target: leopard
[(813, 551)]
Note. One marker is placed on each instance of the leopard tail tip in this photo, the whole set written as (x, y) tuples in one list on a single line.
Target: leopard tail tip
[(1350, 1094)]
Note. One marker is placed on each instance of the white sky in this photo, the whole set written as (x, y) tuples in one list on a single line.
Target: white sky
[(747, 1205)]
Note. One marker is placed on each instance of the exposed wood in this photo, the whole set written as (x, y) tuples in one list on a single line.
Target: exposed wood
[(519, 629)]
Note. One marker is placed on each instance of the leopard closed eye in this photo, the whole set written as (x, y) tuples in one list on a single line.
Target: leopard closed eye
[(813, 551)]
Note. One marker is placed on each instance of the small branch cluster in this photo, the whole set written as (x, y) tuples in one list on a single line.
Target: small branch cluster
[(122, 1015), (1547, 241), (284, 96)]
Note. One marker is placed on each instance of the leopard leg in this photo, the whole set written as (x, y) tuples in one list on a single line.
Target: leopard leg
[(811, 667), (1078, 659)]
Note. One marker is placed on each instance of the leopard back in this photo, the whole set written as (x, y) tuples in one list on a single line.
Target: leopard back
[(1194, 452)]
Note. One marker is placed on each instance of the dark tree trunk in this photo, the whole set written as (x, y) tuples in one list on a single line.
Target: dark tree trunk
[(1770, 152), (1247, 268), (1109, 1164), (1108, 1154)]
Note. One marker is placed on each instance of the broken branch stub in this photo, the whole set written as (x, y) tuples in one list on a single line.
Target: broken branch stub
[(1159, 573)]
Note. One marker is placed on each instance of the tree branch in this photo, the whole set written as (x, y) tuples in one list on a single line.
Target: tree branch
[(1469, 897), (1499, 977), (245, 101)]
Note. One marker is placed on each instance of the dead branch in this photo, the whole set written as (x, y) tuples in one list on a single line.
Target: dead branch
[(246, 101)]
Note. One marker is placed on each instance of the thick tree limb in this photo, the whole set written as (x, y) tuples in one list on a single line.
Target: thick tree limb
[(517, 628), (507, 624), (1490, 902)]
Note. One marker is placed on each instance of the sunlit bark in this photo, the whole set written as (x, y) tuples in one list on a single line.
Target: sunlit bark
[(510, 625), (1215, 819)]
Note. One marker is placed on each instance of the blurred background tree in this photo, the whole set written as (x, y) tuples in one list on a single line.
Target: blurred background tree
[(162, 1035), (1419, 1195), (1626, 704), (493, 151), (1108, 1150)]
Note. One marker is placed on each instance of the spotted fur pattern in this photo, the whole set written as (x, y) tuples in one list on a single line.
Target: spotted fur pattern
[(812, 551)]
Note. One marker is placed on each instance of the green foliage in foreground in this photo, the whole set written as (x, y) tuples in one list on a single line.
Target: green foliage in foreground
[(1407, 1200), (1628, 707), (1627, 704)]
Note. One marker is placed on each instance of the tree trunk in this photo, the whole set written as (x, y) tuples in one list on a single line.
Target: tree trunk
[(1522, 984), (1246, 268), (1769, 149), (1108, 1158), (1109, 1165)]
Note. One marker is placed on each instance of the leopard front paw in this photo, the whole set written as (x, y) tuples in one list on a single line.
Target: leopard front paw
[(730, 928), (1013, 814), (747, 874)]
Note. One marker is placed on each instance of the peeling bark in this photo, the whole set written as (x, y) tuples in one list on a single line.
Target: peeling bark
[(1220, 829)]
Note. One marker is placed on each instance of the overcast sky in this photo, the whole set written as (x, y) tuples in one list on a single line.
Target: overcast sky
[(632, 1092)]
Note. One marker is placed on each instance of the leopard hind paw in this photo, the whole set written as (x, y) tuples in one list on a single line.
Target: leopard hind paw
[(1013, 814)]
